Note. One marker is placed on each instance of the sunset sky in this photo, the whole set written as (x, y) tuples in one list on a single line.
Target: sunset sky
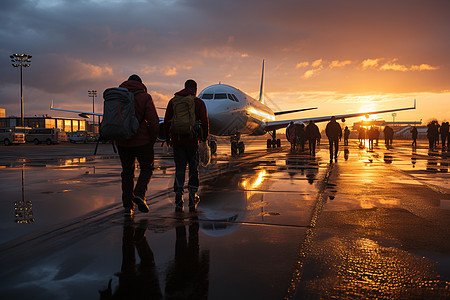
[(339, 56)]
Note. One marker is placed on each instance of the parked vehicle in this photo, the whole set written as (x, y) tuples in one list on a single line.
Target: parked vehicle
[(81, 137), (47, 135), (9, 136)]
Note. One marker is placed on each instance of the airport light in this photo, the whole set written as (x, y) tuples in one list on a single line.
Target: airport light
[(93, 94), (22, 61)]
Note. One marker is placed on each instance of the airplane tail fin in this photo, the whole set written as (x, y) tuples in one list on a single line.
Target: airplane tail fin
[(261, 89)]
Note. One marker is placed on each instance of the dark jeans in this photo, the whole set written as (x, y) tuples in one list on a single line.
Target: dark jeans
[(185, 155), (312, 146), (336, 147), (128, 155)]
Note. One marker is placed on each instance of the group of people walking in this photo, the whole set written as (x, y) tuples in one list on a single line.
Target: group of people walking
[(298, 134), (434, 130)]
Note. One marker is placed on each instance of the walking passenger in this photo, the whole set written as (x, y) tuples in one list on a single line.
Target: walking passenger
[(139, 148), (346, 135), (414, 134), (185, 122), (432, 134), (334, 134), (444, 135), (312, 134), (301, 135)]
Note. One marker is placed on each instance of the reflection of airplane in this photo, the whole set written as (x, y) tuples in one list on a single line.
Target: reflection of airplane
[(231, 113)]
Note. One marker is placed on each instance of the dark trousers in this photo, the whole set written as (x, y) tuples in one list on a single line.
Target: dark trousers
[(312, 146), (128, 155), (183, 156), (334, 143)]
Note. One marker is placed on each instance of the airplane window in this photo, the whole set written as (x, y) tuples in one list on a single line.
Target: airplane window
[(235, 98), (207, 96), (220, 96), (230, 97)]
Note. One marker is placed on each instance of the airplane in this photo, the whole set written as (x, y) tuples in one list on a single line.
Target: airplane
[(232, 113)]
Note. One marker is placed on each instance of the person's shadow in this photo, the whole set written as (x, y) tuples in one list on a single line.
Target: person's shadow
[(188, 275), (136, 281)]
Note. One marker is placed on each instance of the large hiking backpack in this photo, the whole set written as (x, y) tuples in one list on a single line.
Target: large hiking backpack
[(183, 120), (119, 119)]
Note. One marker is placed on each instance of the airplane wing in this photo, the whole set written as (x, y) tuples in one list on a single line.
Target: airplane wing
[(274, 125), (85, 114), (277, 113)]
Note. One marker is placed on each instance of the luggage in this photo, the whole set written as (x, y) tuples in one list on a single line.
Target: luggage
[(119, 119)]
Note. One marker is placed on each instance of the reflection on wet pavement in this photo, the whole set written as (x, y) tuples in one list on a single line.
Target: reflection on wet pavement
[(271, 224)]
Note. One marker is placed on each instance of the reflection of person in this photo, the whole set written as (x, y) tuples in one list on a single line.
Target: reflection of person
[(135, 281), (140, 147), (187, 276), (334, 133), (185, 146)]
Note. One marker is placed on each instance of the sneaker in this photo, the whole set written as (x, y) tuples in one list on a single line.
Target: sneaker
[(194, 199), (179, 203), (142, 206), (128, 212)]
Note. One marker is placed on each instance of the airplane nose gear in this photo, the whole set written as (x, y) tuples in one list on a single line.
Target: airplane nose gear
[(237, 147), (213, 146), (273, 142)]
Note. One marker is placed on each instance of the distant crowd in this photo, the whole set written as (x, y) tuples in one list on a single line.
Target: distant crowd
[(299, 134), (434, 131)]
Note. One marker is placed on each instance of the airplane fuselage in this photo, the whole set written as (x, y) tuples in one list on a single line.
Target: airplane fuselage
[(231, 111)]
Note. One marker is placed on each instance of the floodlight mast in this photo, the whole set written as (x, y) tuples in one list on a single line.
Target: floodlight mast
[(93, 94), (22, 61)]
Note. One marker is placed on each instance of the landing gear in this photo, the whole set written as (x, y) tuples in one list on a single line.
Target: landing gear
[(237, 147), (273, 142), (213, 146)]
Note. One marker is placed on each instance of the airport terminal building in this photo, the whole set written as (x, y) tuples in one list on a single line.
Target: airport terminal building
[(65, 124)]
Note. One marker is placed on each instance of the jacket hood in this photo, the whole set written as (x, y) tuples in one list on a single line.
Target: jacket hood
[(133, 85), (185, 92)]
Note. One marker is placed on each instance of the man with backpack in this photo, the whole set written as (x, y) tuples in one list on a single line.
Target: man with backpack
[(137, 147), (186, 122)]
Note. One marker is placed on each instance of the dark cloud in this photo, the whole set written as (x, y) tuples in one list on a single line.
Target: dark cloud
[(81, 45)]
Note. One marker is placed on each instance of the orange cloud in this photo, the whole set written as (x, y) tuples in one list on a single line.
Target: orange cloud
[(311, 73), (371, 63), (423, 67), (171, 71), (302, 64), (316, 63), (393, 66), (337, 63)]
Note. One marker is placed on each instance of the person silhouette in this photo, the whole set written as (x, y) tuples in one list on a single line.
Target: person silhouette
[(188, 275), (334, 134), (136, 281)]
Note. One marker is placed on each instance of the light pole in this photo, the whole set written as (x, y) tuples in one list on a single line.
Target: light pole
[(21, 60), (93, 94)]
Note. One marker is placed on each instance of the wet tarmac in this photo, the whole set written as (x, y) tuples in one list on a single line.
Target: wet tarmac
[(271, 224)]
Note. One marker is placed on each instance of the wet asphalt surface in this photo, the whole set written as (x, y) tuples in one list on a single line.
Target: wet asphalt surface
[(271, 224)]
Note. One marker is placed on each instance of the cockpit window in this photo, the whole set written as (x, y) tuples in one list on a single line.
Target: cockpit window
[(206, 96), (235, 98), (220, 96)]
